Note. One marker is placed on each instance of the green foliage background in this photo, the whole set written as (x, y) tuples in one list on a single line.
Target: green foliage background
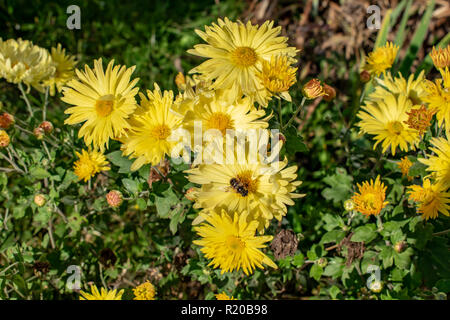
[(151, 234)]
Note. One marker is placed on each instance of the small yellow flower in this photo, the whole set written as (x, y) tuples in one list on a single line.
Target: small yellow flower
[(370, 198), (381, 59), (278, 76), (144, 291), (349, 205), (104, 294), (89, 164), (4, 139), (431, 199), (224, 296), (439, 163), (64, 69), (404, 166), (441, 57), (313, 89)]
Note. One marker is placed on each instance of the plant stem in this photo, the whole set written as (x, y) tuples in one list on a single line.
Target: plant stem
[(295, 114), (440, 233), (44, 107), (279, 113), (24, 96), (11, 162)]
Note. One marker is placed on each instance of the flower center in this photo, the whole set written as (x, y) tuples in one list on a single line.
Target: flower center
[(220, 121), (395, 128), (104, 105), (160, 132), (244, 57), (244, 184), (370, 201), (235, 244)]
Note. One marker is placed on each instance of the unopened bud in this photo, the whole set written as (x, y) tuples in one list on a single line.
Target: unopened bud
[(47, 126), (180, 80), (322, 262), (39, 133), (6, 120), (114, 198), (4, 139), (313, 89), (376, 286), (190, 194), (330, 92), (349, 205), (400, 246), (364, 76), (39, 200)]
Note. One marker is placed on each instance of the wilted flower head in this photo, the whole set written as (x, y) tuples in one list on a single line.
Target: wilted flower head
[(114, 198), (441, 57), (313, 89), (4, 139), (39, 199), (6, 120)]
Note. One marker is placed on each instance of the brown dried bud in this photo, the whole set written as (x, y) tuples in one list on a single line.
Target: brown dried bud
[(364, 76), (313, 89), (114, 198), (41, 267), (39, 199), (4, 139), (400, 246), (39, 133), (6, 120), (330, 92), (47, 126), (282, 138), (107, 257), (284, 244)]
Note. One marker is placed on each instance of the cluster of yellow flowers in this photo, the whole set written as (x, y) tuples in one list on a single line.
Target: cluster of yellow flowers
[(144, 291), (247, 66), (398, 113)]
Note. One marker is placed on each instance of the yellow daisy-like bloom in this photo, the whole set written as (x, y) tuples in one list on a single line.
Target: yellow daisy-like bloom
[(103, 101), (224, 296), (89, 164), (438, 99), (22, 61), (278, 76), (385, 119), (381, 59), (439, 164), (231, 243), (149, 140), (413, 88), (441, 57), (245, 182), (404, 165), (64, 69), (104, 294), (369, 200), (235, 53), (144, 291), (431, 199)]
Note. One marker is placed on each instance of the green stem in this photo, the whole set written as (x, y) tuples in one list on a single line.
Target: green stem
[(279, 113), (44, 107), (24, 96), (295, 114), (440, 233)]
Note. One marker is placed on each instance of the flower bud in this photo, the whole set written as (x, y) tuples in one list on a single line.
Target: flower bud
[(349, 205), (39, 133), (330, 92), (376, 286), (190, 194), (47, 126), (364, 76), (4, 139), (114, 198), (6, 120), (313, 89), (322, 262), (282, 138), (180, 81), (39, 199), (400, 246)]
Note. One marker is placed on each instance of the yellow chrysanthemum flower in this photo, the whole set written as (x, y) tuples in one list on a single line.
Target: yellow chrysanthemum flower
[(224, 296), (413, 88), (103, 101), (381, 59), (432, 199), (89, 164), (439, 164), (235, 53), (278, 76), (441, 57), (64, 69), (149, 140), (144, 291), (369, 200), (231, 242), (22, 61), (438, 99), (404, 165), (385, 119), (246, 182), (104, 294)]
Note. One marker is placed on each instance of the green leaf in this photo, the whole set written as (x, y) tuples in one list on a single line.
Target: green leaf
[(298, 260), (117, 159), (400, 36), (443, 285), (294, 141), (403, 260), (363, 234), (39, 173), (417, 40), (387, 256), (340, 186), (334, 268), (130, 185), (165, 203), (316, 272), (333, 236)]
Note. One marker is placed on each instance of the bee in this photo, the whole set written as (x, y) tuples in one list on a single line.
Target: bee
[(240, 187)]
